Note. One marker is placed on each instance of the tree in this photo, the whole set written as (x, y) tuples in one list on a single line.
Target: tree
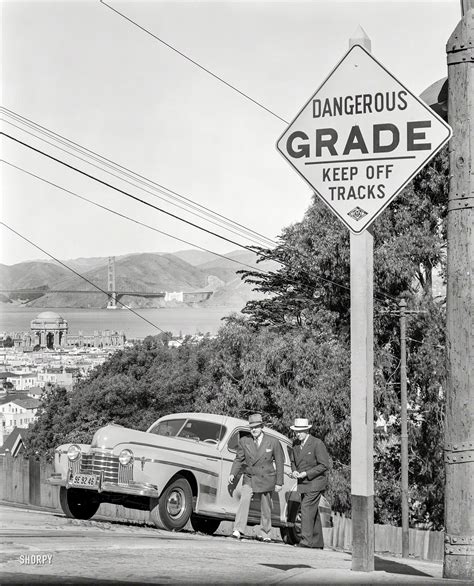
[(311, 290), (52, 426)]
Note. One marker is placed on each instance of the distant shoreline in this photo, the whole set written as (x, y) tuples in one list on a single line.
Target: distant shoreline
[(181, 320)]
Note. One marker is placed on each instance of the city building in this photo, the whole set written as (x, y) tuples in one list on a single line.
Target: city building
[(16, 413), (49, 330)]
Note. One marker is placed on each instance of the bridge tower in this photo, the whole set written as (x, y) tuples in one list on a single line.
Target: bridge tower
[(112, 303)]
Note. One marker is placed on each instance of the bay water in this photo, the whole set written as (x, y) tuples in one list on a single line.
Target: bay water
[(177, 320)]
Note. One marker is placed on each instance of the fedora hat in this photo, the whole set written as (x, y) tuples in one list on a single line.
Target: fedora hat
[(255, 419), (301, 425)]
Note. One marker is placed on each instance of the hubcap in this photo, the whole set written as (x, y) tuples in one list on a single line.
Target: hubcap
[(176, 503)]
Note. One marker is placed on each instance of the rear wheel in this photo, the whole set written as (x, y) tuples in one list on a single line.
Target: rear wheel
[(205, 524), (292, 535), (174, 507), (78, 504)]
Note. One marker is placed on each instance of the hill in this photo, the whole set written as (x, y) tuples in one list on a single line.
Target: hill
[(136, 272), (195, 257), (141, 272), (29, 275)]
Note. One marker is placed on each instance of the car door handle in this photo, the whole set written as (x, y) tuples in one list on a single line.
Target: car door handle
[(213, 459)]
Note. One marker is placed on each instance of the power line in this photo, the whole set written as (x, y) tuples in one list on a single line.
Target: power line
[(243, 94), (102, 182), (78, 274), (219, 220), (127, 217), (149, 204), (345, 287)]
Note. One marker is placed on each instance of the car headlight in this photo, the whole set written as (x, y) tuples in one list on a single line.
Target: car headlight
[(125, 457), (73, 452)]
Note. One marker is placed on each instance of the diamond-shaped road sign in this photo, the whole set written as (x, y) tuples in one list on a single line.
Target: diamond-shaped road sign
[(361, 138)]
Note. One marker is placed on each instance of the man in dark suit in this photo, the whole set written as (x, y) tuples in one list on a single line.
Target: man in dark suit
[(309, 465), (260, 459)]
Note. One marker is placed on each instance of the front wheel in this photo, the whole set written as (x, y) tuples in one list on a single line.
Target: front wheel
[(292, 535), (205, 524), (77, 503), (174, 506)]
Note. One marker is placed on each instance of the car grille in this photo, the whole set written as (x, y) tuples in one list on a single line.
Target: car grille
[(107, 465)]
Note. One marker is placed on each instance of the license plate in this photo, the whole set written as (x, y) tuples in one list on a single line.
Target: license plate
[(85, 480)]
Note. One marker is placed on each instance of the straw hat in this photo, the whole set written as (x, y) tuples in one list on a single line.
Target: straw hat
[(255, 419), (301, 425)]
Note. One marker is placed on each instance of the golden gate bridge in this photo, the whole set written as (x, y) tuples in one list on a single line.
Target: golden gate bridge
[(113, 294)]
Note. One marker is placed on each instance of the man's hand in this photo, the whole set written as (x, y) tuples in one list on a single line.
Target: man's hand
[(298, 475), (231, 479), (278, 488)]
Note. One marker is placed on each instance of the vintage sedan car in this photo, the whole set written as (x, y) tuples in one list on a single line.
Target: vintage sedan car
[(178, 470)]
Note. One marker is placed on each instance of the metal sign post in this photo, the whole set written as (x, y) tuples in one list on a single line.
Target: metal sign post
[(362, 386), (357, 142)]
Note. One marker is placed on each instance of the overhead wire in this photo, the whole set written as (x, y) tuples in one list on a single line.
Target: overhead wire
[(237, 229), (323, 279), (78, 274), (127, 217), (156, 37), (132, 174), (381, 293), (123, 192)]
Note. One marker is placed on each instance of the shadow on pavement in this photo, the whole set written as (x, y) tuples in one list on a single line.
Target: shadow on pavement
[(393, 567), (286, 567)]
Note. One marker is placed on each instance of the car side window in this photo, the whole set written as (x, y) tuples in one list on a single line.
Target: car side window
[(203, 431), (235, 438), (169, 428)]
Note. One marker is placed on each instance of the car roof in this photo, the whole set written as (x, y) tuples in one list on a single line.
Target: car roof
[(222, 419)]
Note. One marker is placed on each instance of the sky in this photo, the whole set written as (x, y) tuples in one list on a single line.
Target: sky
[(86, 73)]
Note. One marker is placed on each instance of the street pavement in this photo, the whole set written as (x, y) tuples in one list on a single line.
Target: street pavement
[(43, 547)]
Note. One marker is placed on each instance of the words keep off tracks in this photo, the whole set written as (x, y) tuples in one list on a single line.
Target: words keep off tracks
[(361, 138)]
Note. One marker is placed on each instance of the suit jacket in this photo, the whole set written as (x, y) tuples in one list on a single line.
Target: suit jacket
[(313, 459), (262, 467)]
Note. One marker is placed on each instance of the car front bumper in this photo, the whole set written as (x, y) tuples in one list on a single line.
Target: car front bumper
[(131, 488)]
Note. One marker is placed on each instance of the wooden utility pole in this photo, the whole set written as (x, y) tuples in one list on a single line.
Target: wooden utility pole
[(459, 429), (404, 429), (362, 387)]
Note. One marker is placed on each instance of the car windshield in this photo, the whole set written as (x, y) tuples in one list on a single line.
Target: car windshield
[(169, 427), (204, 431)]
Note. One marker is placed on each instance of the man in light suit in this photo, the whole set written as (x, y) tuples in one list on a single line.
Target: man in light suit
[(309, 465), (260, 459)]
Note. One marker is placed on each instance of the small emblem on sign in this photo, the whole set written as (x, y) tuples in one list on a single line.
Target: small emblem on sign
[(357, 213)]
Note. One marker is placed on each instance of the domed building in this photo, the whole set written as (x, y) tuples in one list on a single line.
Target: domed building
[(49, 330)]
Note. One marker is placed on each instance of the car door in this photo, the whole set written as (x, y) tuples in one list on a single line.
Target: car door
[(229, 502)]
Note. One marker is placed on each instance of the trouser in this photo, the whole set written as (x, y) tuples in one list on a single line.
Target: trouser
[(242, 514), (311, 527)]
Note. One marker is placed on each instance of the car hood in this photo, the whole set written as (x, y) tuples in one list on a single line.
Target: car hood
[(115, 438)]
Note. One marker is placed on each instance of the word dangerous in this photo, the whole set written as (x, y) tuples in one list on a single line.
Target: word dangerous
[(360, 104)]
